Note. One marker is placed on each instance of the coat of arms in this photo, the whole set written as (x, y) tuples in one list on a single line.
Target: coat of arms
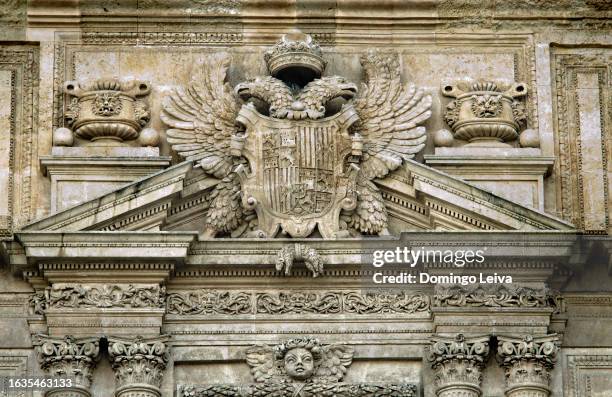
[(296, 153)]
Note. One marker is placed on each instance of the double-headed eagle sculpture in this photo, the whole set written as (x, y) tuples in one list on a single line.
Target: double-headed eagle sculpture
[(296, 153)]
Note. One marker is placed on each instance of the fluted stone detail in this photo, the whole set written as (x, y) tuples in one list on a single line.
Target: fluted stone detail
[(527, 363), (458, 364), (68, 357), (139, 365)]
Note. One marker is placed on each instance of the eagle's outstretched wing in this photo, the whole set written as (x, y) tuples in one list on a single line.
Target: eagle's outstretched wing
[(390, 115), (263, 365), (202, 119), (335, 359)]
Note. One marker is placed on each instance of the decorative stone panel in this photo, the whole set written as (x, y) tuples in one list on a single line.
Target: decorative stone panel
[(18, 126), (583, 136)]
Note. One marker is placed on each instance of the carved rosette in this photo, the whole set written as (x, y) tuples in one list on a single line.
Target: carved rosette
[(68, 357), (527, 363), (139, 365), (107, 110), (485, 113), (458, 364)]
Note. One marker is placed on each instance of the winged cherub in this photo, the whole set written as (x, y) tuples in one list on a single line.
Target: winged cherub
[(300, 360), (203, 128)]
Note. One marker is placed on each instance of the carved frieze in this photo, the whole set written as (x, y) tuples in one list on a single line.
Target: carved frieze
[(295, 302), (76, 296), (300, 367), (458, 364), (527, 363), (139, 365), (482, 295)]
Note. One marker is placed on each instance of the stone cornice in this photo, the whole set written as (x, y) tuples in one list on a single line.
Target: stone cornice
[(168, 246), (327, 13)]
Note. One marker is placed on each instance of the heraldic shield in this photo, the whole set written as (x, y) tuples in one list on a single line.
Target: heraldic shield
[(302, 173)]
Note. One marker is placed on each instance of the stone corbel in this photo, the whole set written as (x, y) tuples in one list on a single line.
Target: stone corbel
[(527, 363), (139, 365), (458, 364), (68, 357)]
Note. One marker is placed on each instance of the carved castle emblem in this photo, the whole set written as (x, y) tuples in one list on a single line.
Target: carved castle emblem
[(301, 367), (299, 154)]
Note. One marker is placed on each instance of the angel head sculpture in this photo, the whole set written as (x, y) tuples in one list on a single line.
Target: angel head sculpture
[(299, 360), (268, 142)]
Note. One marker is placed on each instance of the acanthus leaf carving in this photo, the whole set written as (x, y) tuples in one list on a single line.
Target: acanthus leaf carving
[(68, 357), (458, 364), (495, 296), (527, 363), (284, 302), (72, 295), (138, 361)]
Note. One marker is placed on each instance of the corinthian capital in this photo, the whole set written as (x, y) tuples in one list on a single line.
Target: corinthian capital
[(458, 364), (139, 365), (527, 362), (69, 357)]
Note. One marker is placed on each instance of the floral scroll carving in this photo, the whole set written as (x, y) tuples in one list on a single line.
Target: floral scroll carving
[(295, 302), (98, 295)]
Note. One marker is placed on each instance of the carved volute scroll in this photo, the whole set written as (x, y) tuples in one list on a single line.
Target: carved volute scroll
[(139, 365), (458, 364), (527, 363), (68, 357)]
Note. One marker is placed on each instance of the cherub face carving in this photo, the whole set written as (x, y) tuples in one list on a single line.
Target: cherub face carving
[(299, 363)]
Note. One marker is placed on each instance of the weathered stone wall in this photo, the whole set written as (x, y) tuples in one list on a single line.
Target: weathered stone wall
[(217, 301)]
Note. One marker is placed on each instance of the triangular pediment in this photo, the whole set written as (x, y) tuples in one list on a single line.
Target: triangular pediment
[(417, 197)]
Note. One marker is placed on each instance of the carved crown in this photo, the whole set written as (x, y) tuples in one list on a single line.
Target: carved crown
[(295, 50)]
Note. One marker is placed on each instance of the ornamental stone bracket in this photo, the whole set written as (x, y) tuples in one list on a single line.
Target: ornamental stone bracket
[(458, 363), (68, 357), (139, 365), (527, 363)]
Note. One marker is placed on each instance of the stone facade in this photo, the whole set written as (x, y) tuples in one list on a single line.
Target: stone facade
[(195, 193)]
